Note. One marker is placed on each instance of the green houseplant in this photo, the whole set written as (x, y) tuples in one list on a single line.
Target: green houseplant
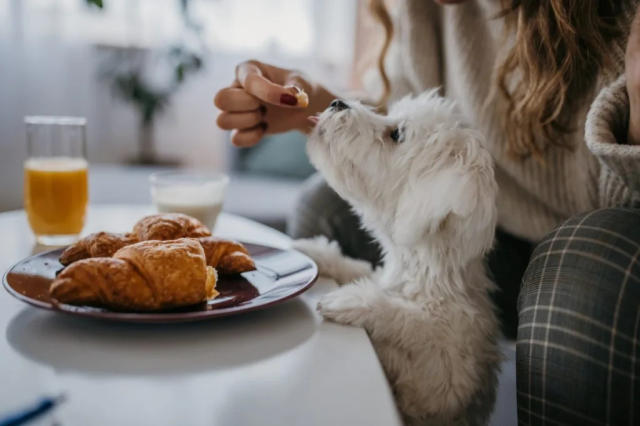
[(131, 73)]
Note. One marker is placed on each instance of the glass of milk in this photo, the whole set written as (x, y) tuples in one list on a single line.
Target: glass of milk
[(197, 194)]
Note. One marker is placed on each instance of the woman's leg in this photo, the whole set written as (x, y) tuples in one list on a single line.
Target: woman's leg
[(320, 211), (578, 345)]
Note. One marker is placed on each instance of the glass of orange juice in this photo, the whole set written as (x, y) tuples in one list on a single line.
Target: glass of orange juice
[(55, 178)]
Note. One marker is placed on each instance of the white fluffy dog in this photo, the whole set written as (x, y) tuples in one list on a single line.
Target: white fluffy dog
[(424, 187)]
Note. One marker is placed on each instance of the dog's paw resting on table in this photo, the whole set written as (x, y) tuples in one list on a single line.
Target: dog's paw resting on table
[(331, 263), (423, 185), (353, 304)]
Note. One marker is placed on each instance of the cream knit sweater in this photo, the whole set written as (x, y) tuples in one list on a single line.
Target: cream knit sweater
[(456, 48)]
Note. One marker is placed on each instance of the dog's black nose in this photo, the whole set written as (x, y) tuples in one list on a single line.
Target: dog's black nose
[(338, 105)]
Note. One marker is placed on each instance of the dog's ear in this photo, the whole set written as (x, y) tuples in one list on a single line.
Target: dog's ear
[(464, 190), (425, 207)]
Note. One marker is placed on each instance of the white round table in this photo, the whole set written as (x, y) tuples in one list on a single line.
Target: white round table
[(280, 366)]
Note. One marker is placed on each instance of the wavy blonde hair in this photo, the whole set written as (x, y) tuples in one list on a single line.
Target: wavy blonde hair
[(559, 47)]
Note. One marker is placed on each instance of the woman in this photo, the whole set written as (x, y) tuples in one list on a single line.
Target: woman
[(549, 84)]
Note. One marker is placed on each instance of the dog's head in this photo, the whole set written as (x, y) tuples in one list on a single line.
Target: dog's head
[(415, 175)]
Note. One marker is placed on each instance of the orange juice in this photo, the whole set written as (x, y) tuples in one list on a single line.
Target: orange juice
[(55, 194)]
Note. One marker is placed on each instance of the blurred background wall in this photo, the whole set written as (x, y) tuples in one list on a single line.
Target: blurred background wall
[(53, 54)]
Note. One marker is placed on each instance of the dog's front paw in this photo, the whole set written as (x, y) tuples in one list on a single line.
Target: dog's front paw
[(351, 304), (331, 263), (326, 254), (317, 247)]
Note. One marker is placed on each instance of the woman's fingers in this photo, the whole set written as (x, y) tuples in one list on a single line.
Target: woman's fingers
[(250, 75), (246, 104), (298, 80), (239, 120), (248, 137), (234, 99)]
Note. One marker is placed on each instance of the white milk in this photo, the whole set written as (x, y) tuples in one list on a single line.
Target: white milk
[(202, 201)]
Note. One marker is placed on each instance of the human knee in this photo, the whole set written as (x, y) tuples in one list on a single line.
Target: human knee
[(600, 246), (578, 305)]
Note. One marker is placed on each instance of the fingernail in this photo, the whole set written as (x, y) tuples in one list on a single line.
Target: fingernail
[(288, 99)]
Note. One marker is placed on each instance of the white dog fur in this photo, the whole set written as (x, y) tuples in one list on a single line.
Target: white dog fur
[(429, 200)]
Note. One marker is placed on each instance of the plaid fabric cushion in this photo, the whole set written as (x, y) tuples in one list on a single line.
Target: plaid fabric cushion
[(578, 345)]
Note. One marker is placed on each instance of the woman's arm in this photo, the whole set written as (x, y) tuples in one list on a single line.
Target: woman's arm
[(612, 130), (632, 75), (606, 136)]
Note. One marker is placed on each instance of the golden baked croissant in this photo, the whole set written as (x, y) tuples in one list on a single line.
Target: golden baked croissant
[(100, 244), (228, 257), (165, 226), (169, 226), (146, 276)]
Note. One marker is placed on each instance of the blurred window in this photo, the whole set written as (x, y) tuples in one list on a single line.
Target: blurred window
[(280, 27)]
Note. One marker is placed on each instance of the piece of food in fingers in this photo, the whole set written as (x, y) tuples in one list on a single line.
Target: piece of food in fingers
[(169, 226), (146, 276), (228, 257), (99, 244), (302, 98)]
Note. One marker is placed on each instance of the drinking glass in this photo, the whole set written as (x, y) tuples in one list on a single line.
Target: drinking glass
[(197, 194), (55, 178)]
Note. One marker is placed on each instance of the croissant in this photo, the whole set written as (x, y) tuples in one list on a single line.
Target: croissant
[(100, 244), (146, 276), (228, 257), (165, 226), (169, 226)]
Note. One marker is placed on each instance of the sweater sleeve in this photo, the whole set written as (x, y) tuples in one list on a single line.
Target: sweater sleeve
[(606, 134)]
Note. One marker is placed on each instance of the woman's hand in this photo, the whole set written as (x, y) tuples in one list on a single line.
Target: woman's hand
[(632, 72), (262, 100)]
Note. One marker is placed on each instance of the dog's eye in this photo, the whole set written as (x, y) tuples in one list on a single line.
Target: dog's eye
[(396, 135)]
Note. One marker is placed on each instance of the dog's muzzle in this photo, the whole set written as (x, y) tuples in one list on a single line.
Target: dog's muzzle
[(338, 105)]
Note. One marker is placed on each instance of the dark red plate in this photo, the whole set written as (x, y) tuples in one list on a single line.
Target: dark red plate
[(281, 275)]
